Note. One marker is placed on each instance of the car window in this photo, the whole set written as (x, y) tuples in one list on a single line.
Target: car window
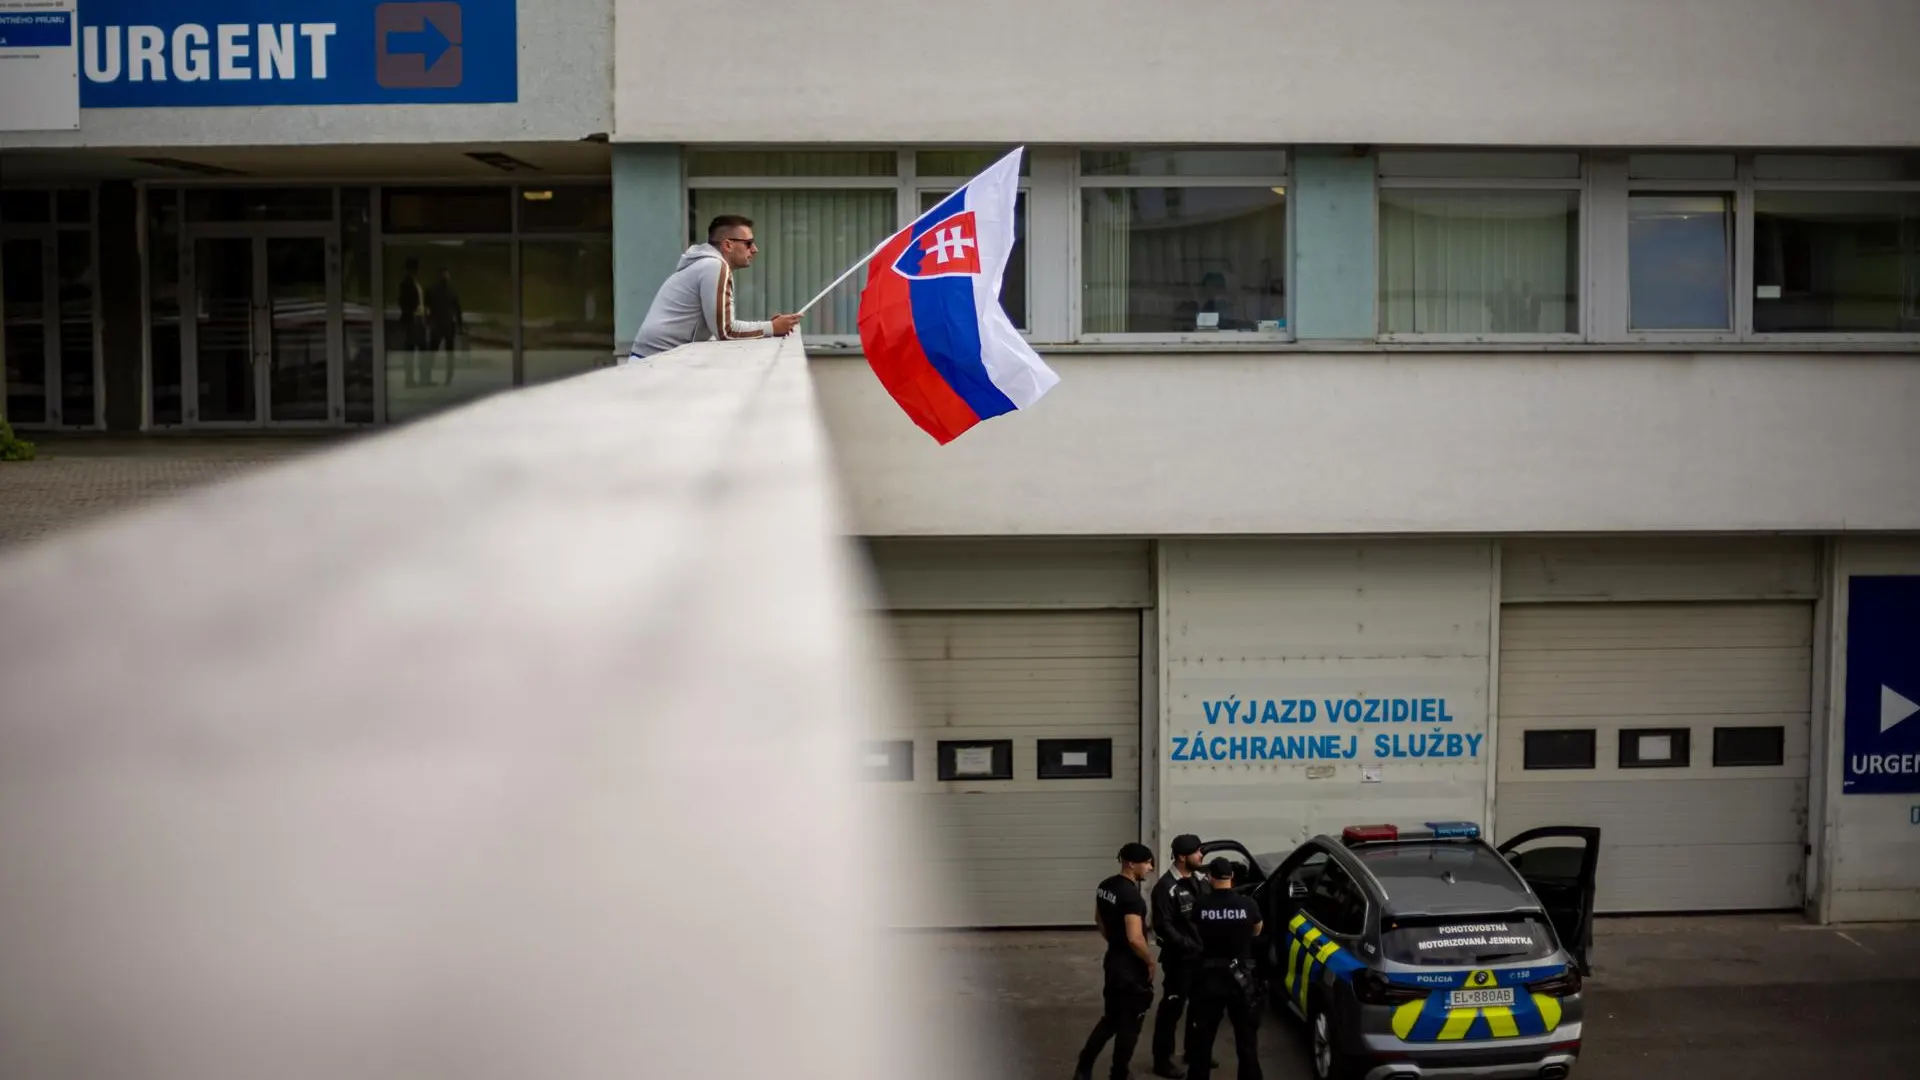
[(1459, 941), (1298, 875), (1336, 903)]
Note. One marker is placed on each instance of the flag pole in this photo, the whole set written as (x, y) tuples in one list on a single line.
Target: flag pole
[(851, 270)]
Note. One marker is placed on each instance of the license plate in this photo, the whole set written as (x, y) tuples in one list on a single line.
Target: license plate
[(1473, 999)]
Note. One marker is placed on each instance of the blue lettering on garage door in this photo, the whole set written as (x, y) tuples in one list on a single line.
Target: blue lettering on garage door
[(1883, 686), (202, 53)]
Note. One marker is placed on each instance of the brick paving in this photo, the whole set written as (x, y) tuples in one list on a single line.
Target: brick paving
[(79, 479)]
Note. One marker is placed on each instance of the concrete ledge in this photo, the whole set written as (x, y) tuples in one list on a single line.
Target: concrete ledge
[(511, 743)]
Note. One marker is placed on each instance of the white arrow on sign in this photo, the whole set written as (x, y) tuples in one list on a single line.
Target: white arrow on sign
[(1894, 708)]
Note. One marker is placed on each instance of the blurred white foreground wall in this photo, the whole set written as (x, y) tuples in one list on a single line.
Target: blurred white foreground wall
[(513, 744)]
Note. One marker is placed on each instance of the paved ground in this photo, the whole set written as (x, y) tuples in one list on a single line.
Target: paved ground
[(1710, 997), (78, 478)]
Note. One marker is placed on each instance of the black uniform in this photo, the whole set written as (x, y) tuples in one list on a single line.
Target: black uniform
[(1223, 985), (1174, 898), (1129, 990)]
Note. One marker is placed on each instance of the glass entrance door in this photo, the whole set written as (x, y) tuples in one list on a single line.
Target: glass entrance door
[(266, 331), (299, 352)]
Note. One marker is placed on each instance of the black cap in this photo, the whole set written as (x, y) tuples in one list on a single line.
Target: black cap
[(1220, 869), (1136, 853), (1185, 844)]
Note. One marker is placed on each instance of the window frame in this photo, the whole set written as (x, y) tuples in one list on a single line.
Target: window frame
[(1609, 257), (1492, 180), (1753, 187), (913, 187), (1740, 203), (906, 183), (49, 232), (1079, 183)]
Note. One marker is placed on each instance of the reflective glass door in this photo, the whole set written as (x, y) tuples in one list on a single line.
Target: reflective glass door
[(298, 351), (265, 336), (224, 349), (24, 262)]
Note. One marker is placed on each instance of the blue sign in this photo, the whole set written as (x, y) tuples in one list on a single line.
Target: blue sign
[(1883, 686), (35, 29), (200, 53)]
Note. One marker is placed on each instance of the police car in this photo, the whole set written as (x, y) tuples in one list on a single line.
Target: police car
[(1416, 952)]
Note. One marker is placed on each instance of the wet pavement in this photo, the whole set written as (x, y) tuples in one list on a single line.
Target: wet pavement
[(1728, 996)]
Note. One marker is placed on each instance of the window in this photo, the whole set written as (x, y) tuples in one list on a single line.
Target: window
[(50, 297), (1013, 286), (1466, 940), (1654, 748), (1336, 903), (891, 760), (492, 286), (1680, 261), (1183, 242), (814, 214), (1836, 262), (569, 209), (1559, 749), (1737, 247), (1474, 245), (1076, 759), (989, 759), (1735, 747), (447, 210)]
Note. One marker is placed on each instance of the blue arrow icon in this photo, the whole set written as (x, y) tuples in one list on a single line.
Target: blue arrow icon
[(427, 41)]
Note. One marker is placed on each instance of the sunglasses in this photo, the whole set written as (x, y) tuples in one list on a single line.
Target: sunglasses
[(749, 241)]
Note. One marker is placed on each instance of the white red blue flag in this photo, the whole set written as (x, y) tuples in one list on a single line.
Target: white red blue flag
[(931, 321)]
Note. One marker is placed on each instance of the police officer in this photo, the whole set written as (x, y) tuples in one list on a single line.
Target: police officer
[(1120, 912), (1174, 897), (1223, 984)]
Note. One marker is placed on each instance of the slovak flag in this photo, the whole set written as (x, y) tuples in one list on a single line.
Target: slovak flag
[(930, 318)]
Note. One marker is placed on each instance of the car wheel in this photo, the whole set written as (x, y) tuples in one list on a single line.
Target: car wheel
[(1323, 1052)]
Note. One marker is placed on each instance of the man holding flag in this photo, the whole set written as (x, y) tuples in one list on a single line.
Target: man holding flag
[(696, 303)]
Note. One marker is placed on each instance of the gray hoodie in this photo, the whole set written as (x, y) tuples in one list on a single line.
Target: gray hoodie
[(694, 304)]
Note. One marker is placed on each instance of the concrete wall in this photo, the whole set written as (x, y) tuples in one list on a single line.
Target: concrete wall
[(1870, 843), (1261, 641), (1511, 72), (1401, 442), (566, 93)]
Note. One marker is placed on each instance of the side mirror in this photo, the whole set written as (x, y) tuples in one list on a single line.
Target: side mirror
[(1296, 890)]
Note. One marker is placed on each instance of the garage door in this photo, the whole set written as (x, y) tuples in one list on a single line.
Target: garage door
[(1681, 730), (1026, 756)]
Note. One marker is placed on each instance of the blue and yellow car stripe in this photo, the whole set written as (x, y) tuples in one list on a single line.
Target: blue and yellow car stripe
[(1310, 950)]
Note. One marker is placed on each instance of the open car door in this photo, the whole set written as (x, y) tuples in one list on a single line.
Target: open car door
[(1561, 863), (1248, 874)]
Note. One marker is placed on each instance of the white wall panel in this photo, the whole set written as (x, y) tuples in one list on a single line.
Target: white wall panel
[(1380, 443), (1669, 568), (1255, 622), (1503, 72), (1871, 842), (1003, 574)]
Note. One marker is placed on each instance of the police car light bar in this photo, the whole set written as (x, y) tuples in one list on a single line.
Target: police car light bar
[(1433, 830)]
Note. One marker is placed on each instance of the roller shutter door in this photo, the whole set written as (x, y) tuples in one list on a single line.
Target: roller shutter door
[(1681, 730), (1023, 850)]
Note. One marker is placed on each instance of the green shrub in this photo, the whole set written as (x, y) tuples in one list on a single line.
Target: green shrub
[(11, 448)]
